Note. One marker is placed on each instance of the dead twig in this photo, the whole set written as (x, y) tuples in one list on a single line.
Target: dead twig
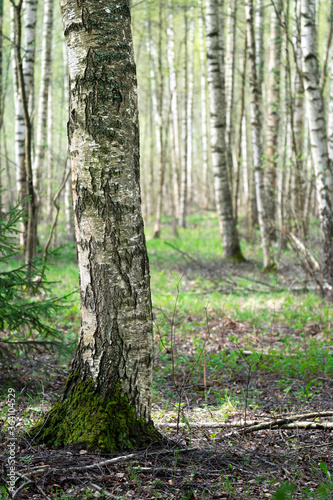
[(290, 422), (103, 491)]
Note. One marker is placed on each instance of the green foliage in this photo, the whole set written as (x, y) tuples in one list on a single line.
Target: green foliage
[(283, 491), (26, 314)]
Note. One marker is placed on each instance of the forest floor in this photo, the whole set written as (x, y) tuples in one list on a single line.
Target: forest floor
[(234, 348)]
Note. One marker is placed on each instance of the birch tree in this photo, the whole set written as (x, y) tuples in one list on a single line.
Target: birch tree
[(41, 135), (256, 139), (30, 17), (230, 241), (205, 189), (19, 124), (184, 166), (230, 78), (317, 125), (273, 113), (106, 404), (30, 242), (174, 110)]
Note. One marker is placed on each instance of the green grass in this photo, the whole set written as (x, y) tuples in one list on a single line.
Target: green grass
[(186, 295)]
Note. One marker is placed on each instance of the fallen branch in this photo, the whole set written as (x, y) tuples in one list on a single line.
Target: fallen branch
[(254, 425), (102, 491), (308, 262)]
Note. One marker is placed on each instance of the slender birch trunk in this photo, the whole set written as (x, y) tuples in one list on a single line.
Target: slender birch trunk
[(109, 388), (30, 18), (189, 111), (316, 118), (230, 79), (31, 234), (259, 43), (183, 179), (273, 114), (49, 157), (330, 129), (230, 241), (256, 140), (298, 123), (21, 187), (68, 184), (159, 124), (43, 91), (240, 138), (174, 111), (204, 138), (245, 167)]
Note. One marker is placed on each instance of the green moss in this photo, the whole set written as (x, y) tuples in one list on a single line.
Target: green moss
[(86, 419)]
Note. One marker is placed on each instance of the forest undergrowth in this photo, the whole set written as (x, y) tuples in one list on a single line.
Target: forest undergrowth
[(242, 382)]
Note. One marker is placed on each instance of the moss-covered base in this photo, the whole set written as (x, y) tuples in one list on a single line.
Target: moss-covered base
[(237, 256), (85, 419)]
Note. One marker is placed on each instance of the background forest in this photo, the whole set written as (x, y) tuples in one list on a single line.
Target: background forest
[(236, 124)]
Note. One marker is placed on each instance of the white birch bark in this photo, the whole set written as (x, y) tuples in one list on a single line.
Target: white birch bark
[(205, 190), (190, 106), (115, 348), (330, 130), (245, 170), (174, 111), (44, 89), (256, 140), (298, 121), (259, 42), (30, 18), (19, 123), (230, 242), (68, 185), (230, 78), (318, 138), (157, 96), (184, 166), (49, 156), (273, 113)]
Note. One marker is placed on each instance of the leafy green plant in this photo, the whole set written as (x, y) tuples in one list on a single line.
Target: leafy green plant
[(26, 314)]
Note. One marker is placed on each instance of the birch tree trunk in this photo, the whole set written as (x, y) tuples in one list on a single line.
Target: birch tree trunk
[(174, 112), (330, 128), (31, 228), (189, 111), (273, 114), (30, 17), (318, 138), (159, 125), (183, 178), (205, 189), (43, 91), (230, 241), (68, 185), (256, 140), (49, 163), (230, 79), (21, 187), (106, 404), (259, 42), (298, 122)]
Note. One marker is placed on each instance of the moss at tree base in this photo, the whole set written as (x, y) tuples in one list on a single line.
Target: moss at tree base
[(86, 419)]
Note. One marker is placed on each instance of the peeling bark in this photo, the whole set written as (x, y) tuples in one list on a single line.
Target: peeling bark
[(112, 367), (317, 125)]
